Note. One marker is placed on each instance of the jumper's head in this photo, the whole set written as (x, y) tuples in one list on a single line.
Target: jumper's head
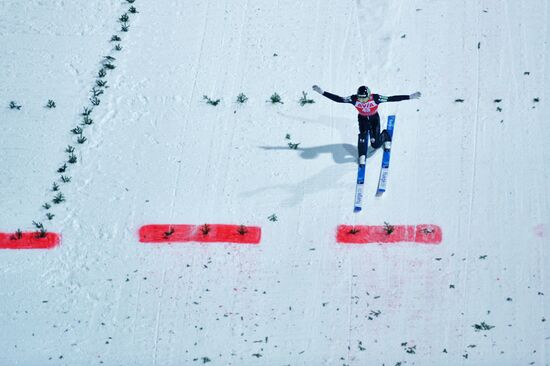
[(363, 92)]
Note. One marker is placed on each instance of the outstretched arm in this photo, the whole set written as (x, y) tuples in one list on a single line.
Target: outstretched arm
[(398, 98), (331, 96)]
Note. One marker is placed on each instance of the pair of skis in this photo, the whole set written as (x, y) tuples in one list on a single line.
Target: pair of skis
[(384, 170)]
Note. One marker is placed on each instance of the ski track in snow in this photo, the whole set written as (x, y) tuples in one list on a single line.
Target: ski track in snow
[(158, 154)]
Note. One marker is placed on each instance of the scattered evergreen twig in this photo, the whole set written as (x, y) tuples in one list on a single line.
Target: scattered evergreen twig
[(37, 225), (96, 92), (304, 99), (50, 104), (242, 98), (211, 101), (72, 159), (86, 121), (42, 233), (14, 105), (169, 233), (18, 235), (388, 228), (205, 229), (353, 231), (242, 230), (77, 130), (62, 168), (275, 98), (482, 326), (58, 198)]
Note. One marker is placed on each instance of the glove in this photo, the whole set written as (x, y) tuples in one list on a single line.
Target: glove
[(318, 89), (415, 95)]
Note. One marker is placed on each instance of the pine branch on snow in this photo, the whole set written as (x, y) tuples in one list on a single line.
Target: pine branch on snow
[(86, 121), (14, 105), (58, 198), (62, 168), (388, 228), (17, 235), (241, 98), (37, 225), (205, 229), (72, 159), (211, 101), (304, 99), (242, 230), (77, 130), (101, 83), (42, 233), (275, 98)]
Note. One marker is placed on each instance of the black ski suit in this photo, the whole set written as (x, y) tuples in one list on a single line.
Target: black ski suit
[(368, 117)]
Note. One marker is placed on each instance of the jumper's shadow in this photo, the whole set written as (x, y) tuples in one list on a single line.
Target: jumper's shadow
[(341, 153)]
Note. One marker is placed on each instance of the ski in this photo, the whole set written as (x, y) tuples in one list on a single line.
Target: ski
[(360, 181), (384, 169), (359, 188)]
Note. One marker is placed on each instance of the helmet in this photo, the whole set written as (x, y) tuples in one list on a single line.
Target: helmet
[(363, 92)]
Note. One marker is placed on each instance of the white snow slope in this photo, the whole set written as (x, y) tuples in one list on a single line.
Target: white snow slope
[(157, 153)]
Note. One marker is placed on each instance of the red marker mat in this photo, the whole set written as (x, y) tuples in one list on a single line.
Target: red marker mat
[(362, 234), (206, 233), (29, 240)]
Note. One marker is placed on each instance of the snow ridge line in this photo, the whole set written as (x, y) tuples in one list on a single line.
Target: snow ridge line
[(98, 89)]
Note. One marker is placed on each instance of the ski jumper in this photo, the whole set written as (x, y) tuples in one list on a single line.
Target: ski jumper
[(368, 117)]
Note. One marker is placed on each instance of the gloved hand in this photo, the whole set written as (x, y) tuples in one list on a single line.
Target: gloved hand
[(318, 89), (415, 95)]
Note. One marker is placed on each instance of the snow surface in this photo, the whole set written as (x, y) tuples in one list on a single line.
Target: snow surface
[(157, 153)]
